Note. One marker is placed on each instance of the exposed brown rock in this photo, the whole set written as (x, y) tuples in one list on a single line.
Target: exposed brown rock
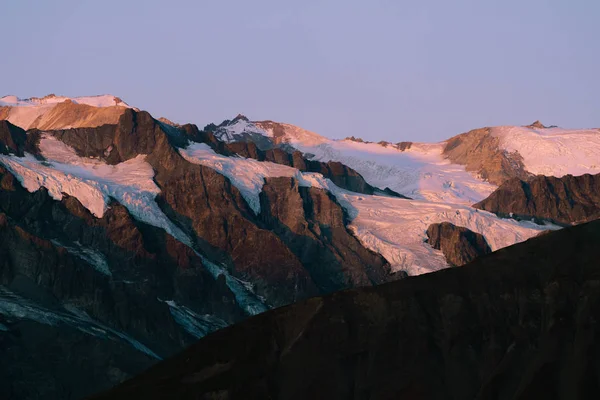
[(167, 121), (402, 146), (66, 115), (537, 124), (313, 226), (520, 323), (567, 200), (478, 150), (459, 245)]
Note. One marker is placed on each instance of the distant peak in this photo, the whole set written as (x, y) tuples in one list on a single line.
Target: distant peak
[(167, 121), (537, 124), (240, 117)]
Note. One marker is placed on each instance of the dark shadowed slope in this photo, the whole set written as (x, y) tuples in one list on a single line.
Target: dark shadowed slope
[(521, 323), (566, 200)]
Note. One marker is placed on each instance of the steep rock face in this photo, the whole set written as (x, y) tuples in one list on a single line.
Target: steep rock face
[(518, 324), (55, 358), (135, 133), (126, 250), (479, 151), (12, 139), (459, 245), (122, 274), (313, 226), (567, 200)]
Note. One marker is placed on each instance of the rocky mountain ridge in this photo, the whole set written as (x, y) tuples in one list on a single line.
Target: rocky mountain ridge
[(566, 200)]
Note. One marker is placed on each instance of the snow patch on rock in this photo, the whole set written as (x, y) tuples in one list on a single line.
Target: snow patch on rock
[(246, 174), (93, 182)]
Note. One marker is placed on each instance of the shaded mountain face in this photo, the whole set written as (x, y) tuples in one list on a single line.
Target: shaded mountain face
[(516, 324), (147, 279), (148, 235), (567, 200), (12, 139), (459, 245)]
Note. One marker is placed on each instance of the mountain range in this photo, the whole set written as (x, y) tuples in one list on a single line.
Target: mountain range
[(125, 238)]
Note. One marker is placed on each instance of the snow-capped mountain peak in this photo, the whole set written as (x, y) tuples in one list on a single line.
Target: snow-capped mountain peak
[(104, 100), (265, 133), (61, 112)]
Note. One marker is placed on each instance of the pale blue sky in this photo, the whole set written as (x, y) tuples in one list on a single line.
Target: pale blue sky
[(379, 69)]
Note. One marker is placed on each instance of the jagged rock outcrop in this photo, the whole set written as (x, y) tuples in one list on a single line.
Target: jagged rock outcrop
[(119, 272), (479, 151), (12, 139), (566, 200), (518, 324), (313, 226), (537, 124), (459, 244)]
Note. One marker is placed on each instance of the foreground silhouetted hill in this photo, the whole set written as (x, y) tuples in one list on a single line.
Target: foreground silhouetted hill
[(521, 323)]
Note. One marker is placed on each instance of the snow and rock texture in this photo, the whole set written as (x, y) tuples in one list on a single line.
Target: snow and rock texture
[(418, 170), (566, 200), (517, 324), (246, 174), (92, 182), (464, 169), (553, 151), (80, 278), (504, 152), (396, 229), (459, 244), (59, 112), (242, 129)]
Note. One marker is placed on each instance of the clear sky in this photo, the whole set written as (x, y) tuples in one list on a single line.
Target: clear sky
[(379, 69)]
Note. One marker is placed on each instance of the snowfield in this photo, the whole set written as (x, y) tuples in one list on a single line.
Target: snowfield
[(396, 229), (420, 172), (393, 227), (92, 182), (553, 151)]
